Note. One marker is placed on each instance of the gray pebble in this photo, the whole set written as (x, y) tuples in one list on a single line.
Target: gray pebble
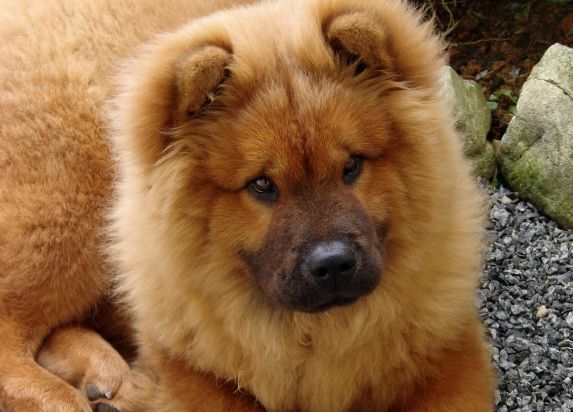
[(569, 319), (529, 264)]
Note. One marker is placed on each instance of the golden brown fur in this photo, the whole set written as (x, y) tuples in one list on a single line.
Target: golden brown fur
[(188, 136)]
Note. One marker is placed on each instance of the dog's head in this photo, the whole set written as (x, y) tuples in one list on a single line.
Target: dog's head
[(281, 145)]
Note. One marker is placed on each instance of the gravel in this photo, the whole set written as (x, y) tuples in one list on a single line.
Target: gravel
[(526, 301)]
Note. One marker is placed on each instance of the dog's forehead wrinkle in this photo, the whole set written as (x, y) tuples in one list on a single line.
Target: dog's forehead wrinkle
[(308, 144)]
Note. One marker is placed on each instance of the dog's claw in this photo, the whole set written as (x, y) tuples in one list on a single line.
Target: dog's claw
[(104, 407), (93, 392)]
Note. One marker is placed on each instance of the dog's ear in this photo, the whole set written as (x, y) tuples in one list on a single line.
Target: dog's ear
[(198, 77), (173, 79), (359, 39)]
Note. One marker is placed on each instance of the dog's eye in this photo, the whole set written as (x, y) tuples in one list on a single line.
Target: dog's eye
[(352, 169), (263, 189)]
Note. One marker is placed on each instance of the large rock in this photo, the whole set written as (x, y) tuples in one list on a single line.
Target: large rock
[(473, 120), (536, 153)]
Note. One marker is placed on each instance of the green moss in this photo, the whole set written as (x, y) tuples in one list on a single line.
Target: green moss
[(525, 176)]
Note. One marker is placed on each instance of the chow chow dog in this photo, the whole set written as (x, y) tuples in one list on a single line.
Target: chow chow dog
[(287, 222)]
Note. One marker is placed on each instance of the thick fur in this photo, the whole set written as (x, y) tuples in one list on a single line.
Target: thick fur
[(285, 88)]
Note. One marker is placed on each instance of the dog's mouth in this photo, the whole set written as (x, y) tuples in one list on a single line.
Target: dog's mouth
[(333, 302)]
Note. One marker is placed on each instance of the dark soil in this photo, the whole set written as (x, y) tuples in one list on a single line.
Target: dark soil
[(497, 43)]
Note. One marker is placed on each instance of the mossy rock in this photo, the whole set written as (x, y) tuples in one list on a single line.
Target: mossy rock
[(536, 153), (473, 120)]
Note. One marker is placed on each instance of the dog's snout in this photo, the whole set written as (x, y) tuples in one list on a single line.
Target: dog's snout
[(332, 264)]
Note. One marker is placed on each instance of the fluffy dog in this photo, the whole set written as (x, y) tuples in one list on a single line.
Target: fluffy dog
[(294, 228)]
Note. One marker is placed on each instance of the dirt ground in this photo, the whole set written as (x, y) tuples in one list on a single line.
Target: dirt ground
[(497, 43)]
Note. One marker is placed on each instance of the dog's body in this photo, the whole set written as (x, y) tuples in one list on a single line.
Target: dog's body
[(231, 136), (57, 63)]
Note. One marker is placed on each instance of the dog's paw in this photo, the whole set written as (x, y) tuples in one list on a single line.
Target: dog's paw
[(134, 394), (105, 372), (85, 360)]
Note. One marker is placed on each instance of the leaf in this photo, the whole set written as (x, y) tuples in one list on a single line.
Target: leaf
[(511, 109), (524, 12), (570, 32), (492, 105), (559, 1), (507, 93)]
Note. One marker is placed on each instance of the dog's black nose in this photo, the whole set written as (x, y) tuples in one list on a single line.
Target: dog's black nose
[(332, 264)]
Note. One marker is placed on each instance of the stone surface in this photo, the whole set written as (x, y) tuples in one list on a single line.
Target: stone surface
[(536, 153), (526, 302), (473, 120)]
